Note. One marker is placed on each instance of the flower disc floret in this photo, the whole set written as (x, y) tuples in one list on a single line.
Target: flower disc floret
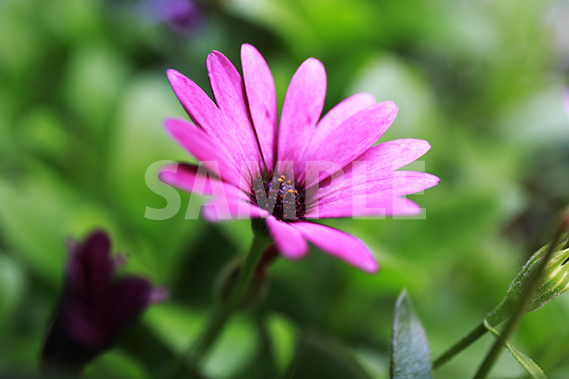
[(279, 197)]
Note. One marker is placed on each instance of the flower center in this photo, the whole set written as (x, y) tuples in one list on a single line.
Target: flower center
[(279, 197)]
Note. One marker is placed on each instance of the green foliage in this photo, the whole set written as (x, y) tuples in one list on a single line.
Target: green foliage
[(526, 362), (410, 353), (83, 94)]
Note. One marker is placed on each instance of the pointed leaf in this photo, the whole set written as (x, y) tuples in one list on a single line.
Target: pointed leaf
[(526, 362), (410, 354), (283, 334)]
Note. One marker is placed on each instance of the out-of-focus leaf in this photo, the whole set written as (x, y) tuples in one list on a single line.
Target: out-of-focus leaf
[(374, 362), (410, 353), (179, 327), (536, 119), (95, 77), (72, 21), (323, 357), (20, 44), (12, 283), (283, 334), (33, 217), (282, 16), (388, 77), (139, 142), (526, 362), (41, 131), (116, 364)]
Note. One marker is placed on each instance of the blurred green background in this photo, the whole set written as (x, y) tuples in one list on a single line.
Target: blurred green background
[(83, 94)]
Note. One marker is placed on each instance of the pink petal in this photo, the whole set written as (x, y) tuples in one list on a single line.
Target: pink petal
[(337, 115), (339, 244), (201, 146), (205, 114), (394, 184), (192, 179), (261, 95), (288, 240), (229, 94), (399, 183), (377, 206), (351, 138), (302, 107), (379, 161), (199, 106), (222, 209)]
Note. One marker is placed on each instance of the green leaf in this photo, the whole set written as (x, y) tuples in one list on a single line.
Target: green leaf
[(116, 364), (283, 334), (179, 326), (410, 354), (319, 356), (12, 287), (526, 362)]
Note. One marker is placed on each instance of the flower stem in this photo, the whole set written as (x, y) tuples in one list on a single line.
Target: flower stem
[(518, 311), (187, 367), (494, 318), (466, 341)]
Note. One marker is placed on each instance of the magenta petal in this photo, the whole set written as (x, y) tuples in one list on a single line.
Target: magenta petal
[(380, 161), (378, 206), (339, 244), (351, 138), (90, 266), (337, 115), (399, 183), (302, 107), (261, 95), (229, 94), (131, 295), (195, 101), (288, 240), (223, 209), (392, 155), (201, 146), (394, 184), (190, 178), (205, 114)]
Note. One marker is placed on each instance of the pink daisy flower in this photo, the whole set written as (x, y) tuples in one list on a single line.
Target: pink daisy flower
[(299, 168)]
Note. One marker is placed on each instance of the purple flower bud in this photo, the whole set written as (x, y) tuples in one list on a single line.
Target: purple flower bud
[(95, 305)]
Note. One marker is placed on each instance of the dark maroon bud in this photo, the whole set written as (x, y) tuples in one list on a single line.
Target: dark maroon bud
[(94, 307)]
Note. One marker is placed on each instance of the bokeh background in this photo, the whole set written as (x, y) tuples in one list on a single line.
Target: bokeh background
[(83, 94)]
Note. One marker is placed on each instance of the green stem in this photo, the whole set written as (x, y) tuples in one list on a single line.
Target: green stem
[(494, 318), (466, 341), (518, 310), (187, 367)]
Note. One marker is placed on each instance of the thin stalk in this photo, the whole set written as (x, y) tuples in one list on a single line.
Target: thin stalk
[(466, 341), (187, 366), (518, 311)]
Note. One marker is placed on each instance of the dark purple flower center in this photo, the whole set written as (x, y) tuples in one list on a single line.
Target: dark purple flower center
[(279, 197)]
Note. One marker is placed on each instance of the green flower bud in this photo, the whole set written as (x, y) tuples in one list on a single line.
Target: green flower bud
[(259, 287), (553, 282)]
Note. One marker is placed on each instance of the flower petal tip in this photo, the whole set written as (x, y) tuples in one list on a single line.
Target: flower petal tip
[(167, 174), (174, 76), (371, 267), (247, 48)]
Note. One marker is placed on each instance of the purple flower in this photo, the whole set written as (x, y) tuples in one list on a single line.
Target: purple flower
[(299, 168), (182, 16), (95, 305)]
